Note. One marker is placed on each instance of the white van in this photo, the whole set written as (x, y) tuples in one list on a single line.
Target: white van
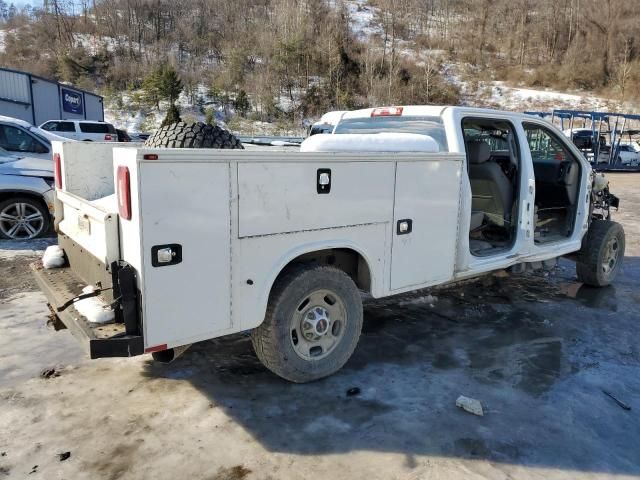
[(84, 130)]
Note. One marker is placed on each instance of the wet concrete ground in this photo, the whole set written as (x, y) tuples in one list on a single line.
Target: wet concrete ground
[(536, 358)]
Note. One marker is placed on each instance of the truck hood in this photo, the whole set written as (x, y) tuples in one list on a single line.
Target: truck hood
[(29, 167)]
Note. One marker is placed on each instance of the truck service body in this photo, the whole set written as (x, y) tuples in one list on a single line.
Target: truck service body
[(192, 244)]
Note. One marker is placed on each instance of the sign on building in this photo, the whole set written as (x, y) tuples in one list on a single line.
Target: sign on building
[(72, 101)]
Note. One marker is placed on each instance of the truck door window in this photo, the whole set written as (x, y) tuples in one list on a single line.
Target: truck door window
[(493, 163), (17, 140), (557, 173)]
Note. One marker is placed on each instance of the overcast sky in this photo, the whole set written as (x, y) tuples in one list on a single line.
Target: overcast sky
[(20, 3)]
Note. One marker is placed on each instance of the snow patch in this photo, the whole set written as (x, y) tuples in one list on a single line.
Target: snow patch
[(53, 257), (93, 309), (370, 142), (362, 19)]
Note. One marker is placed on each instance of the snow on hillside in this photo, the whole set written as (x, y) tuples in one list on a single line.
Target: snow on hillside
[(3, 34), (365, 25), (362, 19), (499, 95), (128, 115)]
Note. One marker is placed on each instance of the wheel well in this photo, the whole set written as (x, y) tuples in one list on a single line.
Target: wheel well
[(345, 259), (7, 195)]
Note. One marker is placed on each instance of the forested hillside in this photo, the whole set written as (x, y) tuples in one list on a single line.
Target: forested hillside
[(285, 60)]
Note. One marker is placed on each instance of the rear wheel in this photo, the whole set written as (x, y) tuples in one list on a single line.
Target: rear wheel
[(602, 253), (22, 218), (312, 325), (193, 135)]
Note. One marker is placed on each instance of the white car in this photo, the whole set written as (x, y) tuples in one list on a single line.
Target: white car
[(23, 139), (83, 130), (627, 155)]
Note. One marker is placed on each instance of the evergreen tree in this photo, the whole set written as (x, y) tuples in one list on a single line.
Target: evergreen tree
[(4, 10), (210, 118), (151, 87), (170, 85), (173, 116), (241, 103)]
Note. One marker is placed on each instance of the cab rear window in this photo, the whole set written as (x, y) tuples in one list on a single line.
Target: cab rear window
[(97, 128), (431, 126)]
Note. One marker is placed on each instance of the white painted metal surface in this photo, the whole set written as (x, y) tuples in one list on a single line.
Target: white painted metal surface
[(427, 196), (92, 227), (87, 168), (189, 301), (282, 198), (261, 259), (371, 142)]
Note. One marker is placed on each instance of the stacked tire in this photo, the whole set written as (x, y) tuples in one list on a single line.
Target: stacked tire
[(193, 135)]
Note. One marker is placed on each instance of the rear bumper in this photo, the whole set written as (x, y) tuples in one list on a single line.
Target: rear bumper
[(111, 340)]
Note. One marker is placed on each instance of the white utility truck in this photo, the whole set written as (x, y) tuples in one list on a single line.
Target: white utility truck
[(183, 243)]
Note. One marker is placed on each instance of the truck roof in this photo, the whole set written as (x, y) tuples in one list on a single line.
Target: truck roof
[(405, 111), (426, 111)]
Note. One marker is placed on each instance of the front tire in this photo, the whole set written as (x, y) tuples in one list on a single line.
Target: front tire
[(602, 253), (23, 218), (312, 325)]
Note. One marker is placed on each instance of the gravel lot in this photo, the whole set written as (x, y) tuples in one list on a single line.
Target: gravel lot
[(536, 358)]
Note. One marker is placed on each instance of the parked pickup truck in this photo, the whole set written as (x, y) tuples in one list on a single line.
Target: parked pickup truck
[(185, 244)]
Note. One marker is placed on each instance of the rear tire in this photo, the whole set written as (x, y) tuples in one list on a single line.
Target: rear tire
[(602, 253), (312, 324), (192, 135)]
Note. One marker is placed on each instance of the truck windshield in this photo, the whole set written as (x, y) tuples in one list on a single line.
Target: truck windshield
[(431, 126)]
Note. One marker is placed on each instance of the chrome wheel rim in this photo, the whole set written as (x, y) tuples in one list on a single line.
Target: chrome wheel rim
[(610, 257), (21, 221), (318, 324)]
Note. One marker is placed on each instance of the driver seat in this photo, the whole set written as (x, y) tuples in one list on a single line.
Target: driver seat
[(491, 189)]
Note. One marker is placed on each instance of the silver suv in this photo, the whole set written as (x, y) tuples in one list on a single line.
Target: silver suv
[(23, 139), (26, 196)]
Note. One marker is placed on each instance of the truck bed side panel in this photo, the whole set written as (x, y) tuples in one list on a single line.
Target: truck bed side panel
[(258, 260), (185, 204)]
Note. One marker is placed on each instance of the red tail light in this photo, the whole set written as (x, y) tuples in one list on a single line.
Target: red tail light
[(108, 137), (57, 170), (387, 112), (124, 193)]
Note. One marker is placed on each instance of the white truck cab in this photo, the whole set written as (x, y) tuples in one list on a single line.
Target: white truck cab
[(188, 244)]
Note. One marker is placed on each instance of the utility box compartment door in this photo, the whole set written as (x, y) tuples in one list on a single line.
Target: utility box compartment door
[(288, 197), (426, 204), (185, 207)]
